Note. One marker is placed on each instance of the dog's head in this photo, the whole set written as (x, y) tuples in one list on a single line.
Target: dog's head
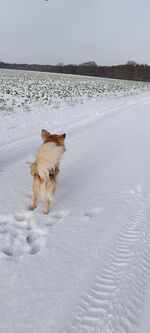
[(59, 139)]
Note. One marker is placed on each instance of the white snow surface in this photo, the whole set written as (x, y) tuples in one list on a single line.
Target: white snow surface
[(84, 268)]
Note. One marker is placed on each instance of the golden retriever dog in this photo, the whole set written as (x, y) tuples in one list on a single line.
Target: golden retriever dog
[(45, 169)]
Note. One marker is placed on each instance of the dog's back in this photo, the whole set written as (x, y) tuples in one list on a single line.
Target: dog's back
[(47, 159)]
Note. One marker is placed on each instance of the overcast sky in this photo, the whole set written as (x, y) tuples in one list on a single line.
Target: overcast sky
[(108, 32)]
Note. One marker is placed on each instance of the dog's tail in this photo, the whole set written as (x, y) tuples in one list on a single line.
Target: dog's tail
[(40, 170), (33, 169)]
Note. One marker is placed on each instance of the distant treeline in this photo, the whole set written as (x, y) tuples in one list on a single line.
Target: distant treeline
[(129, 71)]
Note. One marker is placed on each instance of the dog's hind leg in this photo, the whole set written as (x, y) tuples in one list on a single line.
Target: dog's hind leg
[(50, 190), (34, 202), (47, 206), (36, 185)]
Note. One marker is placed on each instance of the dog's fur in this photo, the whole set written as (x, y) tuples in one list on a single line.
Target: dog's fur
[(45, 169)]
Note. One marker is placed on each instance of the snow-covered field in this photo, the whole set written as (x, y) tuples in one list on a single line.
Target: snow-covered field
[(85, 268), (21, 89)]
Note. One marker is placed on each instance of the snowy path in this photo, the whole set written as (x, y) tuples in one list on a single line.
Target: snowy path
[(86, 266)]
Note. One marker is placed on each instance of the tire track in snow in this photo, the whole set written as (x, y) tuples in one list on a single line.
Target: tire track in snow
[(114, 301)]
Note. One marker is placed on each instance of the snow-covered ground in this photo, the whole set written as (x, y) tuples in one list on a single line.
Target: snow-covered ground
[(85, 268)]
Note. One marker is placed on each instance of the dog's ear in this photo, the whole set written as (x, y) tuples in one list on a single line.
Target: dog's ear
[(61, 138), (45, 135), (62, 135)]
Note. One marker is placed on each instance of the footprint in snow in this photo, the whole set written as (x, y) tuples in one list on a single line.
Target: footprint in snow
[(25, 232), (33, 243), (56, 217), (137, 191), (92, 212), (19, 234)]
